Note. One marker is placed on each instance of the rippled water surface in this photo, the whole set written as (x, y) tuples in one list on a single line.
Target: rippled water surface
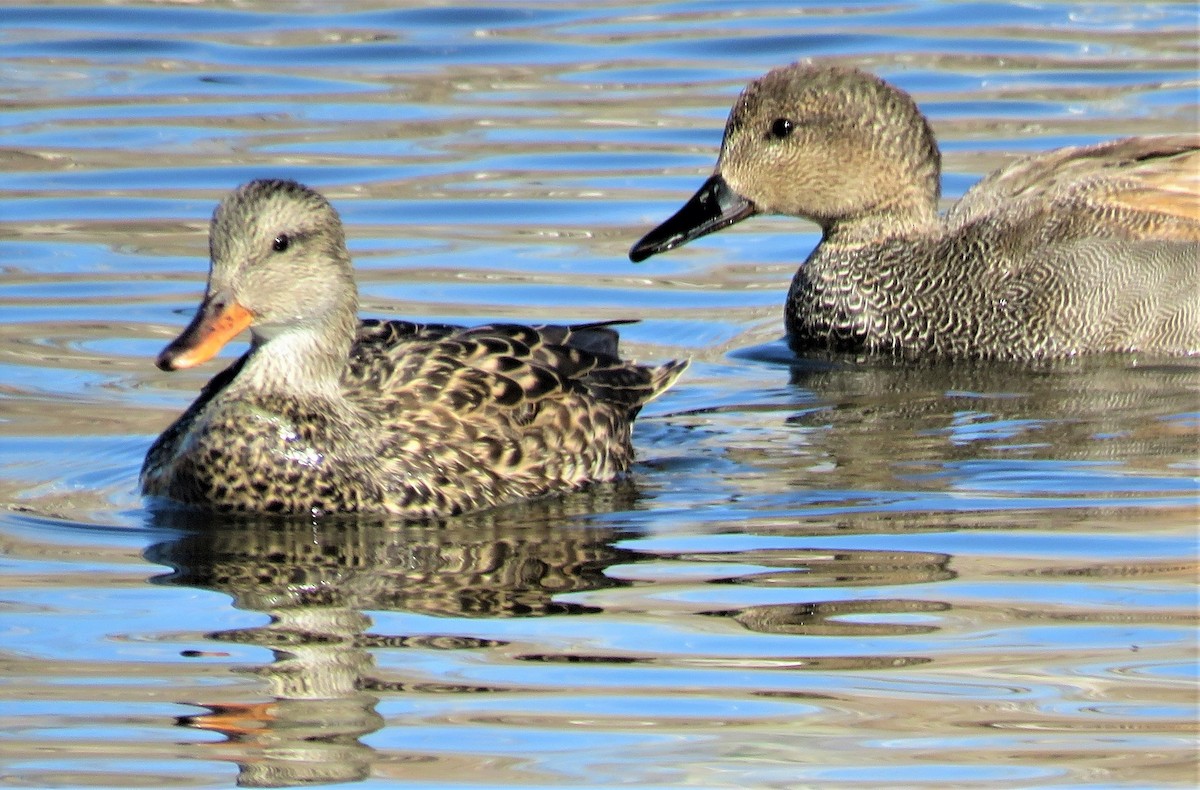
[(820, 574)]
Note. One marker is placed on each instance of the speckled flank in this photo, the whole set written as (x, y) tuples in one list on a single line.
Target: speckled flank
[(394, 417), (1075, 251)]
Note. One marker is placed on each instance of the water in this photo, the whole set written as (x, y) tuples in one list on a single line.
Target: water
[(819, 575)]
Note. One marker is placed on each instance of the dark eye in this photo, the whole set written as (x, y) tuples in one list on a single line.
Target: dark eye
[(781, 128), (281, 242)]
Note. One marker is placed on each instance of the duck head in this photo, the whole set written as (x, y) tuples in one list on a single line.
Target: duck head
[(827, 143), (279, 266)]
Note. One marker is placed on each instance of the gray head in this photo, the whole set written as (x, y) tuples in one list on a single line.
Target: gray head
[(280, 250), (278, 264), (826, 143)]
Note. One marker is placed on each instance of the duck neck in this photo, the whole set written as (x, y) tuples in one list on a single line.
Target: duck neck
[(904, 214), (300, 360)]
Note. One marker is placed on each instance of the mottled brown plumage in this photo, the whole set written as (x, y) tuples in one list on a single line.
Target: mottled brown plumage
[(325, 413), (1078, 250)]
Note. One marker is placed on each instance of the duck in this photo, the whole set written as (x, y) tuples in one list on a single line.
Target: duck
[(326, 413), (1079, 250)]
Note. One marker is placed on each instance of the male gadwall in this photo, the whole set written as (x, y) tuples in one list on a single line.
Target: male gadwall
[(1074, 251), (325, 413)]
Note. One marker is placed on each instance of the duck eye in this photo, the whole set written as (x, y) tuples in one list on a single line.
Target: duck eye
[(281, 242), (781, 128)]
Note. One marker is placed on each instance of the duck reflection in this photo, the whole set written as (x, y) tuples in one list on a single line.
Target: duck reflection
[(878, 448), (315, 580), (824, 569), (880, 425)]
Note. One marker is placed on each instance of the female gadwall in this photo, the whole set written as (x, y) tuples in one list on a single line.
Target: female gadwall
[(1073, 251), (325, 413)]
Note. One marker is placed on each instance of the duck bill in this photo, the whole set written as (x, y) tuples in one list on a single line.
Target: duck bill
[(217, 321), (713, 207)]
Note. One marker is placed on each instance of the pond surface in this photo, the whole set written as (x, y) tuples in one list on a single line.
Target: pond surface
[(820, 574)]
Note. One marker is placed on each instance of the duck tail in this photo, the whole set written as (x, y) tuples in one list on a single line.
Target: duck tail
[(664, 376)]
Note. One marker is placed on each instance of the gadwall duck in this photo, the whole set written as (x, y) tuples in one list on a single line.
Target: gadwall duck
[(1074, 251), (326, 413)]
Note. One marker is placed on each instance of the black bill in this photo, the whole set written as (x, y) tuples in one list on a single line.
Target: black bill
[(713, 207)]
